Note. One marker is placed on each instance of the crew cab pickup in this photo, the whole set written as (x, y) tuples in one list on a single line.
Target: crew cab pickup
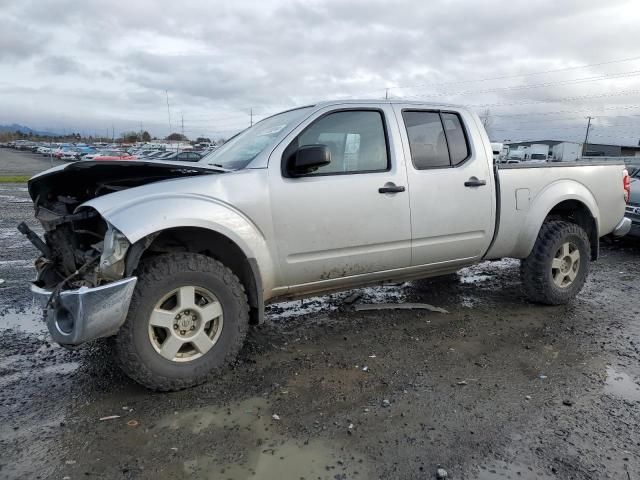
[(175, 260)]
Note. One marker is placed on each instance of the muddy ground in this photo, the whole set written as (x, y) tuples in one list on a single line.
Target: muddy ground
[(497, 388)]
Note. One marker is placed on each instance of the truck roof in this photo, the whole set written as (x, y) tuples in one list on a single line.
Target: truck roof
[(373, 101), (388, 101)]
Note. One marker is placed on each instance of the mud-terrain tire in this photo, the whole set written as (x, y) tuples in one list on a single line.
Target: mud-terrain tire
[(556, 269), (141, 354)]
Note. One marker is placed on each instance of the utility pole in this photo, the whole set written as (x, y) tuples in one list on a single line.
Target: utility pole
[(182, 121), (251, 113), (586, 137), (386, 93), (113, 134), (168, 111)]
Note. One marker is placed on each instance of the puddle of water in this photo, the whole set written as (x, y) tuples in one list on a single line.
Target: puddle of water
[(246, 414), (277, 458), (28, 320), (621, 385), (287, 460)]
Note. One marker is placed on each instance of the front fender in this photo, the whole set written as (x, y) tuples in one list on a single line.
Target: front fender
[(546, 199), (142, 216)]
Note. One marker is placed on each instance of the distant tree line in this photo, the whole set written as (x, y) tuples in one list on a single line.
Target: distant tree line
[(125, 137)]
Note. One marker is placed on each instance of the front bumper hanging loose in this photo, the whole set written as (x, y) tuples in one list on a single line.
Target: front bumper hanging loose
[(77, 316)]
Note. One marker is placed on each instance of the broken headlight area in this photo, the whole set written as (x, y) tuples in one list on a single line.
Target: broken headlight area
[(80, 249), (114, 251)]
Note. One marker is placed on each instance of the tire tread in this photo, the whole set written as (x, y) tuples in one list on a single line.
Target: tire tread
[(154, 270), (534, 269)]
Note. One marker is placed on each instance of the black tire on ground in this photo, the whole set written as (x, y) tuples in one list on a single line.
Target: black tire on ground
[(536, 270), (158, 276)]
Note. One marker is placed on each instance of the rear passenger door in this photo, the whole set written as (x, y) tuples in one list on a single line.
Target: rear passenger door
[(450, 186)]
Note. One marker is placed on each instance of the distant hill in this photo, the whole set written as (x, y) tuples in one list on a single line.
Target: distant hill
[(24, 129)]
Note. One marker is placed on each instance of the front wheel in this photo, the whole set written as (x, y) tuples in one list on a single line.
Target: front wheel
[(188, 316), (556, 269)]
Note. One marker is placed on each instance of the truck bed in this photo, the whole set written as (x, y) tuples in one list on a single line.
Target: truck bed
[(515, 166), (527, 192)]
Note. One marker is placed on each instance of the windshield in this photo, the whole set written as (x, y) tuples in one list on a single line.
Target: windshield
[(238, 152)]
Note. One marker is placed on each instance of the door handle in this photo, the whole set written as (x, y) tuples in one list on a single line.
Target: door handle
[(474, 182), (391, 188)]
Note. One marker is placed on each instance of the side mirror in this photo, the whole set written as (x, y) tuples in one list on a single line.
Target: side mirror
[(307, 159)]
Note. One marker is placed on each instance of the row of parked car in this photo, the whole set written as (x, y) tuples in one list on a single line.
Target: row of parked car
[(73, 152)]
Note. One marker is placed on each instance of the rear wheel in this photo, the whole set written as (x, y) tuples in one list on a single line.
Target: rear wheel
[(557, 267), (188, 316)]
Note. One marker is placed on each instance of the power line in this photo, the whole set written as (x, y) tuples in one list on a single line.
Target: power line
[(558, 112), (504, 77), (632, 73), (581, 127), (557, 100)]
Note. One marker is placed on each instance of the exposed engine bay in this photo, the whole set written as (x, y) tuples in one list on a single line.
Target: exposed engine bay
[(80, 248)]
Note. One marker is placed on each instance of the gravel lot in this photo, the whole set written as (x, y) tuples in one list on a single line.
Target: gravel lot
[(497, 388), (14, 162)]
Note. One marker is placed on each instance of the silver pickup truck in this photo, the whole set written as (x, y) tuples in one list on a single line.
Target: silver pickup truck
[(175, 260)]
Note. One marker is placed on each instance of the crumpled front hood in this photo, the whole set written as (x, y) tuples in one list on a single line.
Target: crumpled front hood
[(81, 181)]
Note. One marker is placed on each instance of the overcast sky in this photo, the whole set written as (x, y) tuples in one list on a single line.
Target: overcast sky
[(85, 65)]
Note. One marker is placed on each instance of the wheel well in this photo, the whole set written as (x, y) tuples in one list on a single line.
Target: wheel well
[(212, 244), (577, 212)]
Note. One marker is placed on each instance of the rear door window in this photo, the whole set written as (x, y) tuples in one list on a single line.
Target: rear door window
[(436, 139), (456, 139), (427, 139)]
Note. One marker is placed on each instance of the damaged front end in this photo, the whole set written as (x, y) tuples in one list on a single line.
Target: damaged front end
[(80, 274), (82, 280)]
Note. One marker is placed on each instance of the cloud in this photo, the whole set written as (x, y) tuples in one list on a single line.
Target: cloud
[(59, 65), (218, 60), (18, 41)]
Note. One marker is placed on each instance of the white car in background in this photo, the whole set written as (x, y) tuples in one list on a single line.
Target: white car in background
[(69, 156)]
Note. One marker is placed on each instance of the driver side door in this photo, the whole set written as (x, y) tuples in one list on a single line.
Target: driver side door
[(335, 224)]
